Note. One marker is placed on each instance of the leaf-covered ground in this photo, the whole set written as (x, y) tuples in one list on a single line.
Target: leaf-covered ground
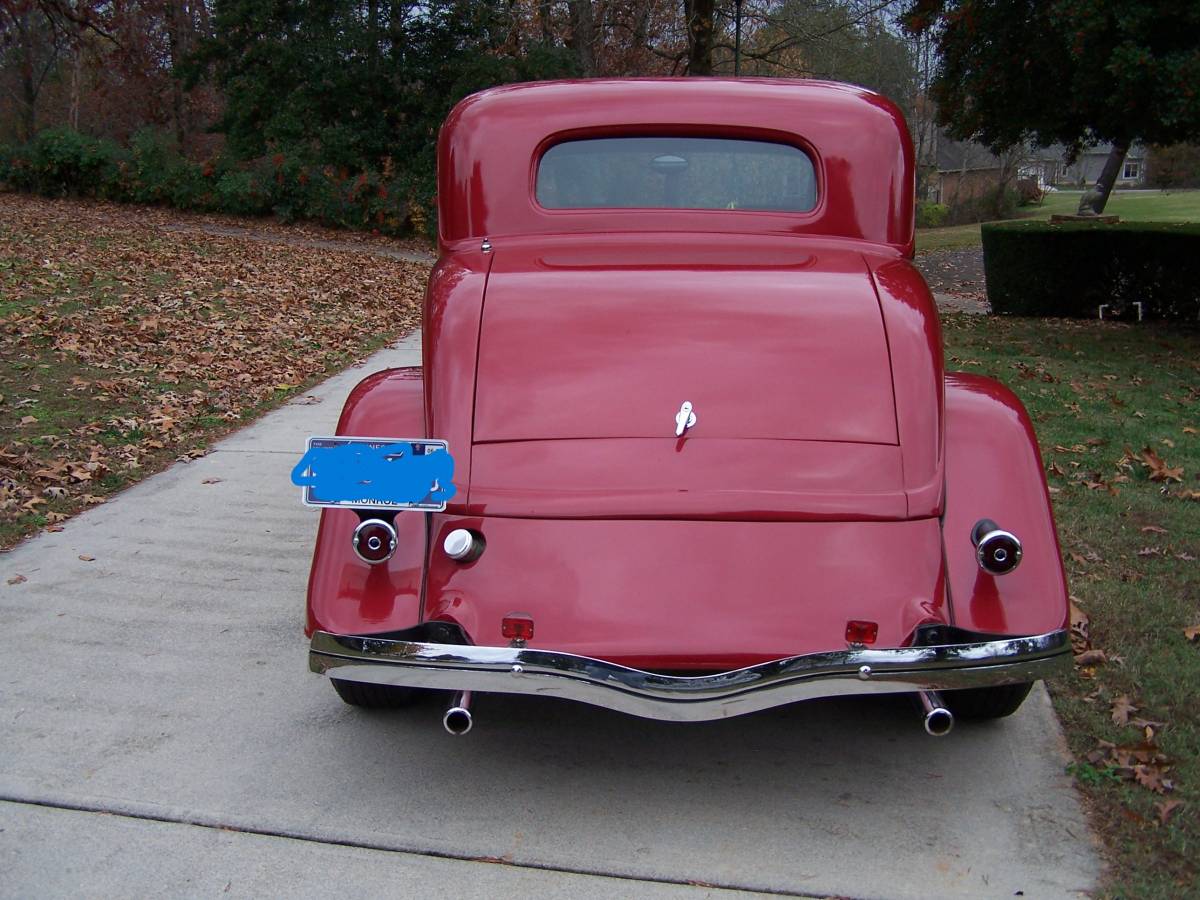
[(130, 338), (1117, 411)]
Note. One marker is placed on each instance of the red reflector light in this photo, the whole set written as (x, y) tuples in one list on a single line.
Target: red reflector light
[(517, 627), (858, 632)]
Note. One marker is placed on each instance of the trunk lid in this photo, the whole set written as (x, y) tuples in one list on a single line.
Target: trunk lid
[(584, 339)]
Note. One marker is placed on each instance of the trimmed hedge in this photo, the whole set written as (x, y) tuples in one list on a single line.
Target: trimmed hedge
[(60, 162), (1069, 270)]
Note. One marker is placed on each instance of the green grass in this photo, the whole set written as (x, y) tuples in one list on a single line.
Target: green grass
[(1131, 206), (1132, 550)]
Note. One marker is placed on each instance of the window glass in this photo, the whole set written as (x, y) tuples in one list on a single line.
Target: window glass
[(676, 173)]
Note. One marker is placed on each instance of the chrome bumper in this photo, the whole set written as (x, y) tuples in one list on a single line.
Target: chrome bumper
[(688, 699)]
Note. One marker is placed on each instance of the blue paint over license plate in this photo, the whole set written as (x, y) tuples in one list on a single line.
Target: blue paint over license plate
[(376, 473)]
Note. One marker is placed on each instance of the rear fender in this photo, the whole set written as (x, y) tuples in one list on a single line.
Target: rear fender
[(994, 471), (345, 594)]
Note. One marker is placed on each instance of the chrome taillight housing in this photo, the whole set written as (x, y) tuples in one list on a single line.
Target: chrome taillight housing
[(374, 541)]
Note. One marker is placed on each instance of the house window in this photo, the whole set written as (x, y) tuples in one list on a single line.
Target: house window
[(1133, 169)]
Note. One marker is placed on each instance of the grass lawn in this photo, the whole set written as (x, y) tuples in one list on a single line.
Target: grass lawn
[(1100, 394), (1131, 206), (125, 344)]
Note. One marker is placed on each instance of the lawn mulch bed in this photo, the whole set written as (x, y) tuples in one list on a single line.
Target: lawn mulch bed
[(128, 341), (958, 272)]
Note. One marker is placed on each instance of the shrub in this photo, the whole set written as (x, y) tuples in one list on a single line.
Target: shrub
[(61, 162), (931, 215), (1029, 192), (994, 203), (1070, 269)]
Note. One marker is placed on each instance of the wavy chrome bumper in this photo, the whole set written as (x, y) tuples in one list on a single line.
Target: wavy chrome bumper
[(688, 699)]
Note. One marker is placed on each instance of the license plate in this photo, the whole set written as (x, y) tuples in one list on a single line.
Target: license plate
[(376, 473)]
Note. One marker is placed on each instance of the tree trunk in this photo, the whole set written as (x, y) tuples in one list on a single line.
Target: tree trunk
[(701, 29), (1092, 202), (76, 81), (29, 86), (583, 36)]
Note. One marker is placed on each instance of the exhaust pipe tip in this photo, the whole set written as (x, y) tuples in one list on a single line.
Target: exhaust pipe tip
[(457, 720), (938, 719), (938, 722)]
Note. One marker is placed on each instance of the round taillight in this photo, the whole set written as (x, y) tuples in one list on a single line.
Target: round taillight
[(997, 551), (374, 541)]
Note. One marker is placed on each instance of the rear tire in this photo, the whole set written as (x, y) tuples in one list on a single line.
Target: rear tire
[(988, 702), (375, 696)]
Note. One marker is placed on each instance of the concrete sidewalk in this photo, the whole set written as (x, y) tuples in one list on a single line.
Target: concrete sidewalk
[(162, 736)]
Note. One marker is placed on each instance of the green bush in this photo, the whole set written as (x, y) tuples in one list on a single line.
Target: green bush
[(61, 162), (994, 203), (1070, 269), (931, 215)]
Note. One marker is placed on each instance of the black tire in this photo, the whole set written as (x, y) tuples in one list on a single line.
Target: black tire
[(988, 702), (375, 696)]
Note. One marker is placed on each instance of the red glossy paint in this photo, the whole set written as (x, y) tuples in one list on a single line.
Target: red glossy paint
[(609, 350), (490, 144), (690, 595), (994, 470), (834, 471)]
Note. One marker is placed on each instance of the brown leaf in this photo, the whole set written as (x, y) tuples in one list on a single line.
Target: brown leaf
[(1151, 777), (1154, 529), (1192, 633), (1158, 467), (28, 420), (1080, 629), (1091, 658), (212, 480), (1121, 708), (86, 558), (17, 579), (1166, 809)]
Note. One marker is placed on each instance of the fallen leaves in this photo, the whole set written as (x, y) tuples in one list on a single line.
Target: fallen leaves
[(86, 558), (1192, 633), (1166, 809), (17, 579), (1143, 763), (1081, 639), (1121, 709), (1158, 468), (126, 345)]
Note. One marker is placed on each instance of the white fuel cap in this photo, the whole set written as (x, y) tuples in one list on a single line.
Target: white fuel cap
[(461, 544)]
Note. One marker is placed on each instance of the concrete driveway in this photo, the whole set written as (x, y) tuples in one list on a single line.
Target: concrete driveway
[(161, 736)]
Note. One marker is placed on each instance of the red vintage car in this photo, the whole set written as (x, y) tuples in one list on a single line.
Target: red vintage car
[(706, 457)]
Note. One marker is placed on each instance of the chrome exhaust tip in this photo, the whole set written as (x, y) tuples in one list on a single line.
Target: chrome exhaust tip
[(457, 720), (997, 551), (938, 719)]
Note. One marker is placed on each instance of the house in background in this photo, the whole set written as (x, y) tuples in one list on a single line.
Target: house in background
[(965, 170), (1086, 169), (1048, 166)]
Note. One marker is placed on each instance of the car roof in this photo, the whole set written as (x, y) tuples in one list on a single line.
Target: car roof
[(491, 142)]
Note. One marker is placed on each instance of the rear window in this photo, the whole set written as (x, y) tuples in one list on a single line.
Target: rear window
[(676, 173)]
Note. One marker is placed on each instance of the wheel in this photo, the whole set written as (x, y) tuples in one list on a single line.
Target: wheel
[(375, 696), (988, 702)]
